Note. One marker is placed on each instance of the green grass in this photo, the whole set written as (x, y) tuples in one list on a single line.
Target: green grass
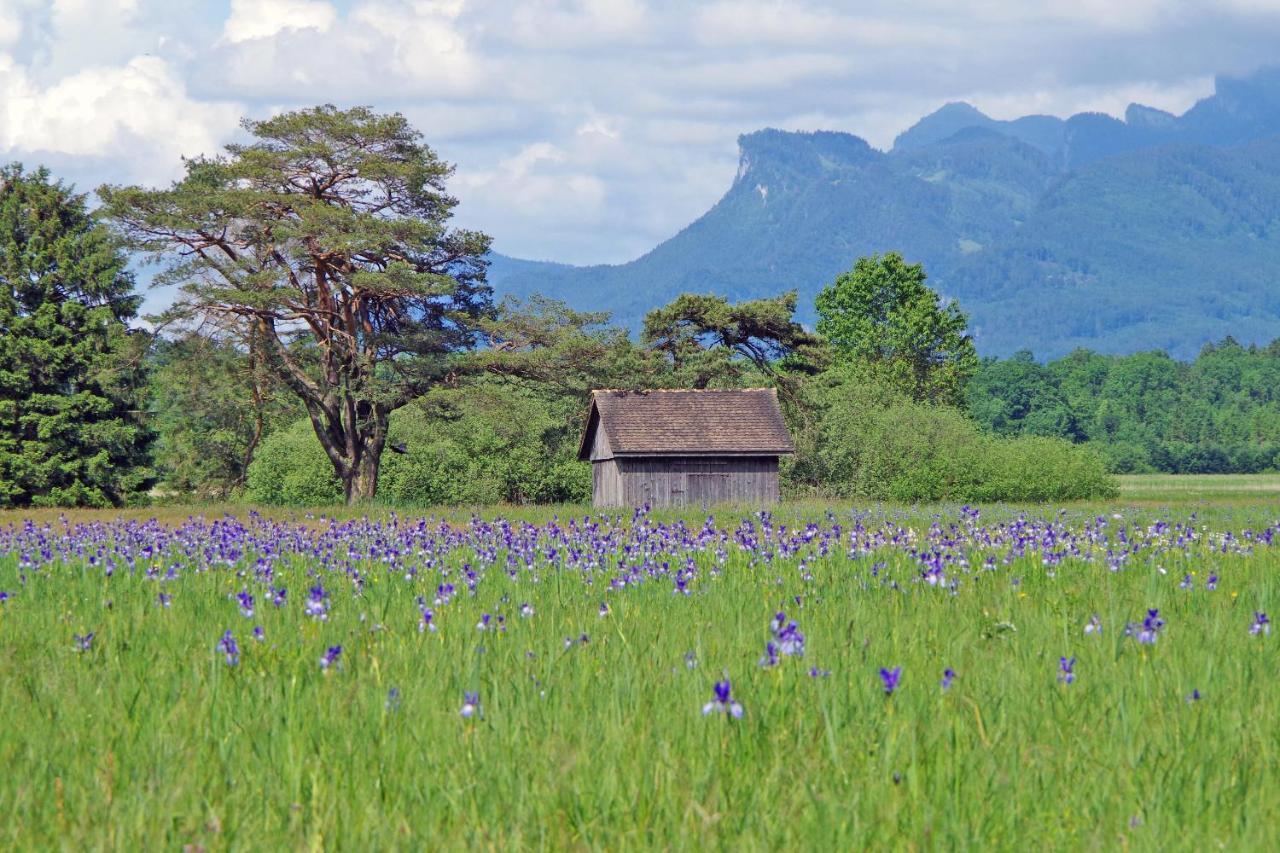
[(150, 740), (1209, 488)]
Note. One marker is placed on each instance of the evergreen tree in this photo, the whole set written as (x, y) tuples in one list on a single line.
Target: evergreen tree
[(71, 429), (709, 340), (328, 230)]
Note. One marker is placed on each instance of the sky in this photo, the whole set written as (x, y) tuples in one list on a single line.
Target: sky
[(584, 131)]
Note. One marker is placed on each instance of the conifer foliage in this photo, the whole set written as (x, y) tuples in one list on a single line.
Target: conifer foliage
[(71, 427), (327, 234)]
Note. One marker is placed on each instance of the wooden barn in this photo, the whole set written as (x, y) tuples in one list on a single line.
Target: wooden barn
[(685, 448)]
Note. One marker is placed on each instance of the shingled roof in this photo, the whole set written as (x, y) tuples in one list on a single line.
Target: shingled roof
[(688, 423)]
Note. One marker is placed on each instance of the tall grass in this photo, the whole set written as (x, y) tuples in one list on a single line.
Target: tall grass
[(150, 739)]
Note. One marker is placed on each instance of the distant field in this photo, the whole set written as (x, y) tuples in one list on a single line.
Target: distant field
[(1181, 488), (1201, 491)]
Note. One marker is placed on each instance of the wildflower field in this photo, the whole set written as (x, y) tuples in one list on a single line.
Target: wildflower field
[(1094, 677)]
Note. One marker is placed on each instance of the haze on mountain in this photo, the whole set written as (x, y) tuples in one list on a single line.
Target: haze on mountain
[(1157, 231)]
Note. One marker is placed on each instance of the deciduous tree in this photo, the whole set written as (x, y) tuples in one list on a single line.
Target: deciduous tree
[(882, 314), (213, 401)]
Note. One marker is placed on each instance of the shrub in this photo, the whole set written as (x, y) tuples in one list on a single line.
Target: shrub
[(898, 450), (472, 446), (292, 469), (1037, 468)]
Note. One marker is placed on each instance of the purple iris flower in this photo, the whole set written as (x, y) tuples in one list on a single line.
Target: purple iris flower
[(4, 596), (526, 609), (393, 699), (279, 596), (1261, 624), (787, 640), (1066, 670), (426, 623), (83, 643), (228, 646), (770, 655), (1150, 627), (470, 705), (259, 634), (791, 641), (604, 609), (246, 604), (1212, 583), (164, 599), (1094, 625), (817, 672), (317, 603), (890, 678), (483, 624), (330, 657), (690, 660), (948, 676), (1194, 696), (723, 701)]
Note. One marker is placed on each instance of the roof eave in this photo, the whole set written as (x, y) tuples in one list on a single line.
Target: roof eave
[(584, 447), (637, 454)]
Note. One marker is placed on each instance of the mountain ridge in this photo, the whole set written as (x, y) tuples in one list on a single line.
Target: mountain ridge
[(1111, 227)]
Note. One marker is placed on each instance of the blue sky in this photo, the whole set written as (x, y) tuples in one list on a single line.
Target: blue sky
[(584, 130)]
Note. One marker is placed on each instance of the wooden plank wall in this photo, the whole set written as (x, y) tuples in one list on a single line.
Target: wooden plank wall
[(600, 444), (691, 481), (606, 483)]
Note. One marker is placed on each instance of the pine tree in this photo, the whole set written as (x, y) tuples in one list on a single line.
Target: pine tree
[(71, 429), (328, 234)]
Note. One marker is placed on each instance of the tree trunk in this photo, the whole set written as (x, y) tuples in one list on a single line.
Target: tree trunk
[(259, 421), (361, 485)]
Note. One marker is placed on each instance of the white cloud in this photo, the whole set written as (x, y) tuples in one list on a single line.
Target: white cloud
[(10, 28), (137, 114), (586, 130), (570, 24), (380, 49), (421, 42), (258, 19), (801, 25), (541, 179), (1066, 101)]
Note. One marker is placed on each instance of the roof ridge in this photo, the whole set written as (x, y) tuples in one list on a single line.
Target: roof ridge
[(679, 390)]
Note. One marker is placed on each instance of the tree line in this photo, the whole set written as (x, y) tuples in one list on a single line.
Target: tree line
[(334, 338), (1145, 412)]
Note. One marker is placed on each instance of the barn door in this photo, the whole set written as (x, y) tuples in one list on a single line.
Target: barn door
[(706, 489)]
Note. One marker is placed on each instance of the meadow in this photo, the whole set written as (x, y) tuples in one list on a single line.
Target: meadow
[(919, 678)]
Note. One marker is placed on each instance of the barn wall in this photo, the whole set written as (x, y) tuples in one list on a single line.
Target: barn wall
[(606, 484), (600, 444), (699, 481)]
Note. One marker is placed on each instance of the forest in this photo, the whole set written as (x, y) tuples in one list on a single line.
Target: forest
[(336, 340), (1144, 412)]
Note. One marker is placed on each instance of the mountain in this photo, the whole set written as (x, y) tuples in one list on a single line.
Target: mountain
[(1044, 132), (1156, 231)]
